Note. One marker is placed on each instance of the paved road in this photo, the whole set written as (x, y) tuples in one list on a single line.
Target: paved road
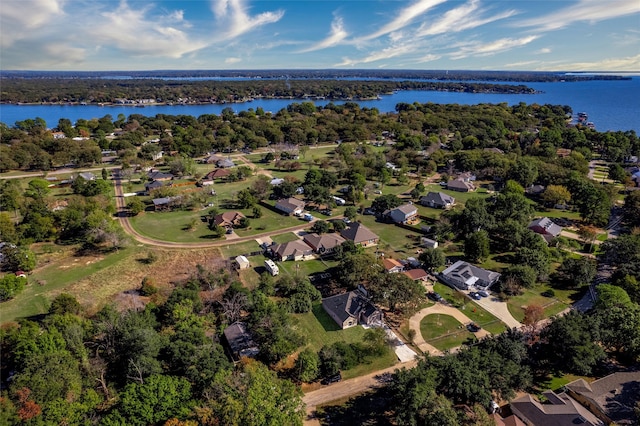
[(59, 172)]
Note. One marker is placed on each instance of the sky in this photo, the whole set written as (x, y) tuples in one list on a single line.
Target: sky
[(115, 35)]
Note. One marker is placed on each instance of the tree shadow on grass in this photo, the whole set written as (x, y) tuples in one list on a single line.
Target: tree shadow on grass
[(371, 408)]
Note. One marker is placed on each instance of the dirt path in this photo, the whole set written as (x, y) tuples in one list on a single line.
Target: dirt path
[(59, 172), (348, 388)]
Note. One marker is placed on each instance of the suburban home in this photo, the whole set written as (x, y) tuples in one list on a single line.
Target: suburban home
[(463, 276), (559, 410), (323, 244), (511, 420), (225, 163), (352, 308), (428, 243), (545, 227), (460, 185), (610, 398), (404, 213), (87, 176), (392, 266), (417, 274), (290, 206), (213, 159), (240, 341), (437, 200), (292, 250), (160, 176), (163, 203), (241, 262), (150, 186), (466, 177), (217, 174), (535, 189), (360, 234), (228, 219)]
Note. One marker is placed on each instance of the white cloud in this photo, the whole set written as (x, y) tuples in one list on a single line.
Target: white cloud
[(462, 18), (232, 15), (496, 46), (387, 53), (337, 35), (18, 19), (584, 10), (136, 33), (543, 51), (630, 63), (232, 60), (405, 17)]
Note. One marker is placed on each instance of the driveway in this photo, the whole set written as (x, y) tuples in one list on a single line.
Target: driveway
[(500, 310)]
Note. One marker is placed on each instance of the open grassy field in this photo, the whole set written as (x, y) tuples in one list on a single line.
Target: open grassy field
[(552, 305), (399, 245), (443, 331)]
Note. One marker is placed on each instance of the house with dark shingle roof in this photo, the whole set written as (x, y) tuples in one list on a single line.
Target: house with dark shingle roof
[(559, 410), (464, 276), (360, 235), (156, 175), (150, 186), (545, 227), (437, 200), (352, 308), (240, 341), (460, 185)]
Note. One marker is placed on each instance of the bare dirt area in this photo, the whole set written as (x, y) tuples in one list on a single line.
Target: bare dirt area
[(115, 283)]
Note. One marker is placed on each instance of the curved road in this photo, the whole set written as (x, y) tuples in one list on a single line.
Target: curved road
[(126, 225)]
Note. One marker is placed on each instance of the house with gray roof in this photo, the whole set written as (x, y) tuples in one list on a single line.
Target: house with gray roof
[(546, 228), (352, 308), (87, 176), (460, 185), (403, 214), (225, 163), (150, 186), (463, 276), (240, 341), (559, 410), (437, 200), (290, 206), (156, 175)]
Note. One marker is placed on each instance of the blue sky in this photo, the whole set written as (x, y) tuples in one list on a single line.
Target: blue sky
[(572, 35)]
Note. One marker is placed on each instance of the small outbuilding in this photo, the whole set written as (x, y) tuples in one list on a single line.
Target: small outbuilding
[(241, 262)]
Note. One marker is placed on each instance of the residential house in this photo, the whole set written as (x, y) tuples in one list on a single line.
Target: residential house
[(290, 206), (535, 189), (163, 203), (213, 159), (610, 398), (160, 176), (225, 163), (466, 177), (437, 200), (392, 266), (360, 235), (404, 213), (241, 262), (228, 219), (545, 227), (292, 250), (636, 178), (325, 243), (217, 174), (463, 276), (352, 308), (240, 341), (417, 274), (559, 410), (511, 420), (460, 186), (87, 176), (150, 186)]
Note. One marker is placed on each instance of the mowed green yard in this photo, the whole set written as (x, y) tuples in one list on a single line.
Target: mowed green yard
[(444, 331)]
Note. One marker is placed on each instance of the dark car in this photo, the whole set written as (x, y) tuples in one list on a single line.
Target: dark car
[(483, 293), (473, 327), (332, 379), (434, 296), (475, 295), (326, 212)]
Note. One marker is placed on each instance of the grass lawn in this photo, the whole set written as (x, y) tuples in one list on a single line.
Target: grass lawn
[(305, 268), (233, 250), (461, 197), (552, 305), (483, 318), (443, 331), (555, 382), (394, 236), (46, 282), (172, 226), (284, 238), (558, 214), (269, 221)]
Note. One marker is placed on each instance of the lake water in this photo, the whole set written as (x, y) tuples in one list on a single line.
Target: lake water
[(611, 105)]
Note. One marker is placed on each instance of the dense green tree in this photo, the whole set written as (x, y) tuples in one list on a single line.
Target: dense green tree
[(385, 202), (321, 227), (11, 286), (65, 303), (17, 259), (575, 273), (135, 205), (632, 208), (476, 246), (307, 366)]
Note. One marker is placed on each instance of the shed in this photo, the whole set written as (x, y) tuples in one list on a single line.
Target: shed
[(242, 262)]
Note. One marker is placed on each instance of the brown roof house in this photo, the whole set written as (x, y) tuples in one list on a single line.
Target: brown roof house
[(360, 234), (417, 274), (392, 266), (240, 341), (460, 185), (292, 250), (228, 219), (352, 308), (610, 398), (290, 206), (325, 243)]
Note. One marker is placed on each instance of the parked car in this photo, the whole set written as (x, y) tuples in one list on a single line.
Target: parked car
[(475, 295), (434, 296), (473, 327), (368, 212), (332, 379), (483, 293)]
